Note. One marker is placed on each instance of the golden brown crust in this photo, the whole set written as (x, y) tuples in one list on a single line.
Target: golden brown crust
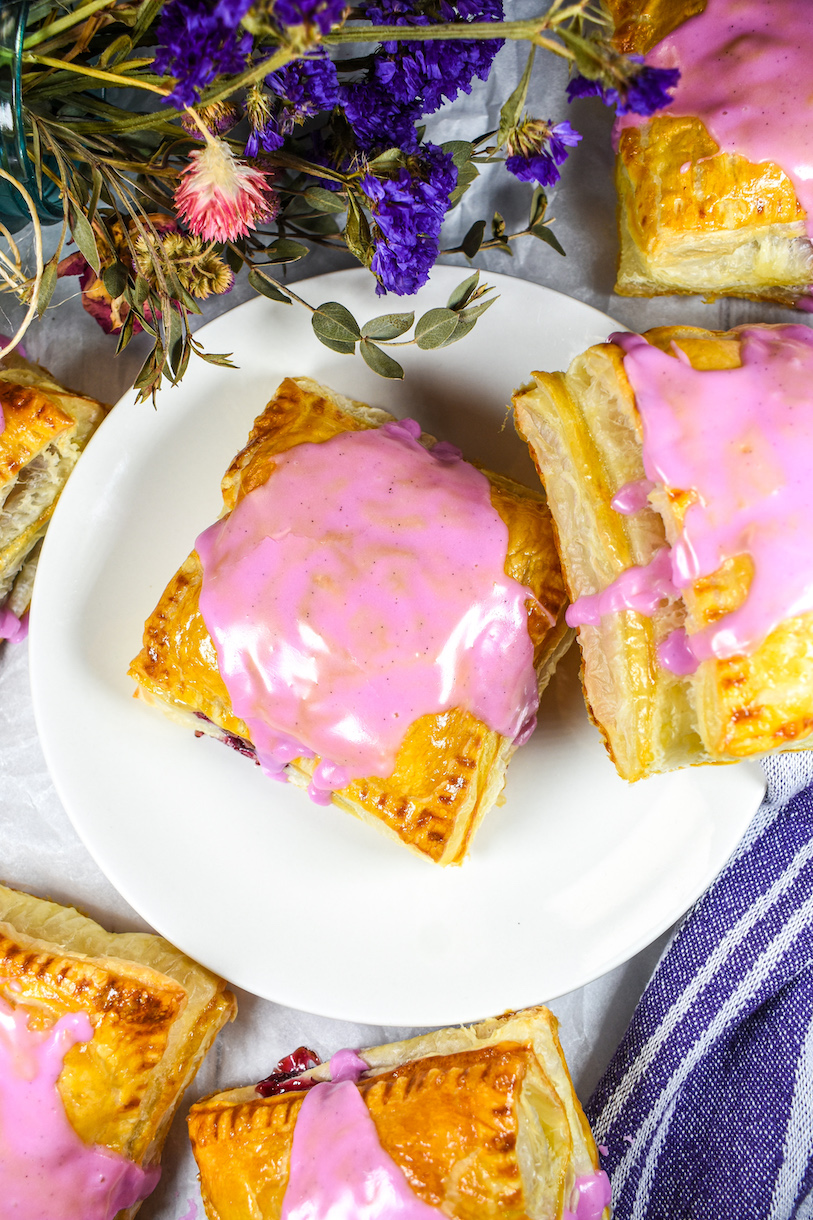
[(482, 1121), (46, 428), (639, 24), (154, 1014), (583, 430), (450, 767), (692, 218)]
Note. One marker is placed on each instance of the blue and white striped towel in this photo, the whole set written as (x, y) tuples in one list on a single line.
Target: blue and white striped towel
[(706, 1110)]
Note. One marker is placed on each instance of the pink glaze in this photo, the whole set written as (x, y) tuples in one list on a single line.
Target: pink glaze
[(46, 1170), (339, 1171), (745, 72), (675, 653), (591, 1194), (632, 497), (191, 1212), (742, 440), (638, 588), (360, 587), (12, 628)]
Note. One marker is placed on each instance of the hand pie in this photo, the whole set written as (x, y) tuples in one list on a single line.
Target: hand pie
[(476, 1122), (676, 467), (447, 768), (101, 1034), (715, 191), (46, 428)]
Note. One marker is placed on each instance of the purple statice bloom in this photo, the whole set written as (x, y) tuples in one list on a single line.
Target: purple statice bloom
[(307, 85), (409, 79), (408, 211), (197, 41), (644, 92), (541, 163), (322, 13), (264, 139)]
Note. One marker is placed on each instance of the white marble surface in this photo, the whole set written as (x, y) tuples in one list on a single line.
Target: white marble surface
[(39, 849)]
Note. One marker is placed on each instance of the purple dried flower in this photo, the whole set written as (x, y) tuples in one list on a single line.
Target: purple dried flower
[(322, 13), (408, 212), (536, 150), (409, 79), (197, 41), (306, 85), (264, 139), (643, 91)]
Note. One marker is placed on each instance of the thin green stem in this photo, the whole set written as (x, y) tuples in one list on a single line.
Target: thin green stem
[(64, 23)]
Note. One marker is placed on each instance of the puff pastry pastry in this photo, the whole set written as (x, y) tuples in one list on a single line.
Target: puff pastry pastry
[(483, 1121), (46, 429), (451, 767), (154, 1014), (701, 216), (584, 429)]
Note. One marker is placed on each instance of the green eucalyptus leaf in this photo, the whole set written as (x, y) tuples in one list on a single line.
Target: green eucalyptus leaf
[(126, 332), (511, 113), (379, 361), (322, 200), (267, 287), (435, 328), (547, 235), (47, 285), (463, 292), (466, 174), (115, 279), (539, 206), (141, 290), (464, 325), (283, 250), (357, 233), (474, 311), (390, 159), (473, 240), (323, 224), (148, 372), (498, 227), (388, 326), (460, 151), (335, 326), (84, 238)]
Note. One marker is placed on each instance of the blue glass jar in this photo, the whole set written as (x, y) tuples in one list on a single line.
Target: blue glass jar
[(13, 155)]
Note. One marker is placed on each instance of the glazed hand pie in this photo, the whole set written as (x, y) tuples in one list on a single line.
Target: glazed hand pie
[(100, 1035), (716, 191), (356, 570), (44, 431), (465, 1123), (677, 470)]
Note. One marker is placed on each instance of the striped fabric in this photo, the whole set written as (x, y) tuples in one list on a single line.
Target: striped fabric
[(706, 1110)]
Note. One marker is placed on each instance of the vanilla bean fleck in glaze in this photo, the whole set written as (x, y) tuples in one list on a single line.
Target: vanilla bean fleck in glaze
[(361, 587), (745, 72), (741, 440)]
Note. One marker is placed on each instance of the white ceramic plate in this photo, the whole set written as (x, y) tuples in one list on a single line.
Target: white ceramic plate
[(574, 873)]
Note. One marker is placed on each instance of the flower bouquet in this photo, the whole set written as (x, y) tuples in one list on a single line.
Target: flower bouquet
[(181, 141)]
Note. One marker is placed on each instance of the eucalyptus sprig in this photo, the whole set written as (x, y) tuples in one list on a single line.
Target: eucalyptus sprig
[(180, 142)]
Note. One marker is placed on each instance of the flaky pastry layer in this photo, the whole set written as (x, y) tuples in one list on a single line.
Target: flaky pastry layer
[(693, 219), (46, 429), (155, 1013), (583, 430), (451, 767), (483, 1121)]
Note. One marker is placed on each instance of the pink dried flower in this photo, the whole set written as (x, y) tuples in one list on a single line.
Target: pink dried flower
[(220, 197)]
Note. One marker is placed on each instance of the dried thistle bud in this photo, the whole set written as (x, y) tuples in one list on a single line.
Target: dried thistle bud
[(201, 271), (219, 118)]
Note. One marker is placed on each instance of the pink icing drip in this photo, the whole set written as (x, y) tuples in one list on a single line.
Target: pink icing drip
[(339, 1171), (361, 587), (191, 1212), (12, 628), (742, 440), (641, 588), (45, 1168), (632, 497), (745, 73), (591, 1194)]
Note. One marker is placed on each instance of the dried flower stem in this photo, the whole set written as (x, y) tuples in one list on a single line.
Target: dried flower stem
[(32, 286)]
